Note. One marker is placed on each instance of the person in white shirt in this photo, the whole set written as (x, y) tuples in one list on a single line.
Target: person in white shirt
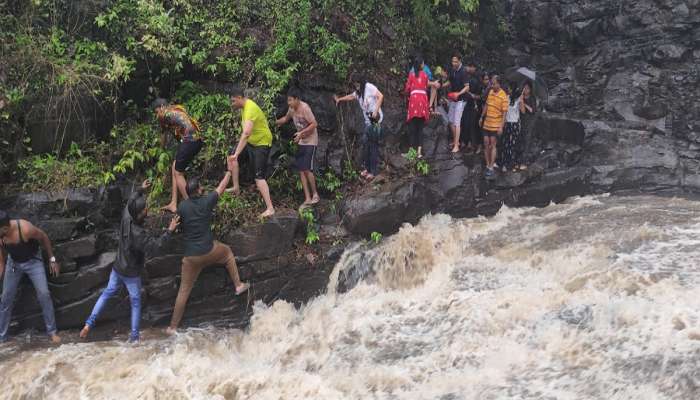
[(370, 100)]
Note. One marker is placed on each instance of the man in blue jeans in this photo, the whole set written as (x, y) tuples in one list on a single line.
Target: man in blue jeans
[(19, 255), (133, 242)]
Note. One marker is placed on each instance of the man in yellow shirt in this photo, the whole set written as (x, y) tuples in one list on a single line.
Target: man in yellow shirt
[(255, 143), (493, 119)]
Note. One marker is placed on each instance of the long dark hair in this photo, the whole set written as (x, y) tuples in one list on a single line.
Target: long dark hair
[(514, 93), (360, 80), (417, 64)]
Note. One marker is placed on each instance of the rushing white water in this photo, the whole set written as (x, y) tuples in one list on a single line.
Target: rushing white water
[(598, 298)]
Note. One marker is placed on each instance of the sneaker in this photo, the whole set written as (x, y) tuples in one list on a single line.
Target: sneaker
[(488, 172)]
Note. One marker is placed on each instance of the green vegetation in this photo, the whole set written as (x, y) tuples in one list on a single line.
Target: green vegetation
[(375, 237), (307, 215), (63, 58), (417, 165)]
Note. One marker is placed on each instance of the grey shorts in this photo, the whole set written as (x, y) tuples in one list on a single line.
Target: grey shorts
[(454, 115)]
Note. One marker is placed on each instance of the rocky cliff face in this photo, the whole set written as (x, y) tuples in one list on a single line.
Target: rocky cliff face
[(623, 116)]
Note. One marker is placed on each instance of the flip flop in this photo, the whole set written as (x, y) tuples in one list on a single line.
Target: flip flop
[(245, 288)]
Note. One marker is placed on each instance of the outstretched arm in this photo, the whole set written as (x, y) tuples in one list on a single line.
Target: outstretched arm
[(349, 97), (37, 234), (282, 120), (224, 182), (247, 131)]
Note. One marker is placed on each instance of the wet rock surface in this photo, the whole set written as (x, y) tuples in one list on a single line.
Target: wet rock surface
[(623, 116)]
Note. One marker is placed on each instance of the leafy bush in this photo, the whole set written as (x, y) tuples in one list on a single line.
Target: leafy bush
[(49, 173)]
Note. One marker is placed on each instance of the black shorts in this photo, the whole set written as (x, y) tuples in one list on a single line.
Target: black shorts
[(186, 152), (486, 133), (255, 156), (306, 157)]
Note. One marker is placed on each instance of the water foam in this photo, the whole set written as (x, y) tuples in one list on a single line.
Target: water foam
[(593, 299)]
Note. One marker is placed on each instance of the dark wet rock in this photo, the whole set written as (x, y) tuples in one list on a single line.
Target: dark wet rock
[(88, 278), (386, 209), (60, 229), (269, 239), (79, 248)]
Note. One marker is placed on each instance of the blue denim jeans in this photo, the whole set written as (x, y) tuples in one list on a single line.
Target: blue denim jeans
[(36, 271), (133, 286)]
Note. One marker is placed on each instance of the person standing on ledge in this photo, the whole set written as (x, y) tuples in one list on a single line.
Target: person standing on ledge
[(186, 130), (133, 242), (493, 118), (306, 138), (256, 141), (201, 250), (20, 255)]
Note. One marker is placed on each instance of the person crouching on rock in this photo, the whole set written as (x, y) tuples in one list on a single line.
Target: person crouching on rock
[(370, 100), (256, 141), (133, 242), (306, 139), (186, 130), (20, 255), (201, 250)]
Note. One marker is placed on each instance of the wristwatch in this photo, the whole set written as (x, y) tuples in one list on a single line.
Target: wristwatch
[(52, 259)]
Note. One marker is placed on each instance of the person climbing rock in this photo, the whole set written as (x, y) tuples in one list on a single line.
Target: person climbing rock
[(134, 240), (20, 255), (186, 131), (306, 139), (201, 250), (370, 100), (254, 146)]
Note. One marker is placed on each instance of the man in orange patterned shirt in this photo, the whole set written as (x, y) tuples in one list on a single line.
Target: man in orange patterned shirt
[(186, 131)]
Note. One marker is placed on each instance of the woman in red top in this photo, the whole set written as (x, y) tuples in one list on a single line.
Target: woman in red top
[(418, 109)]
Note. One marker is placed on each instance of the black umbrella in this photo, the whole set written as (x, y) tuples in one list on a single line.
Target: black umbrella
[(521, 74)]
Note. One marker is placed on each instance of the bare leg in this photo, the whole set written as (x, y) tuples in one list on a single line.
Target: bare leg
[(230, 262), (494, 151), (172, 206), (235, 168), (312, 185), (487, 152), (265, 193), (455, 138), (433, 97), (305, 186)]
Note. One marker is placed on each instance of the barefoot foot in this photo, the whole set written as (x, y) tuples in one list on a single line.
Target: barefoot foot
[(85, 331), (235, 190), (243, 287), (314, 200), (268, 213), (170, 331), (55, 339), (170, 208)]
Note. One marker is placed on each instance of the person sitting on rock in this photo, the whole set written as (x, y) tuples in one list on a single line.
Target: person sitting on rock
[(133, 242), (201, 250), (306, 139), (493, 118), (20, 255), (370, 100), (256, 141), (186, 130)]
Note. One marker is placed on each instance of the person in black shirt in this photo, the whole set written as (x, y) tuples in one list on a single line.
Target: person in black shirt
[(133, 242), (459, 87), (201, 250), (19, 256), (470, 133)]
